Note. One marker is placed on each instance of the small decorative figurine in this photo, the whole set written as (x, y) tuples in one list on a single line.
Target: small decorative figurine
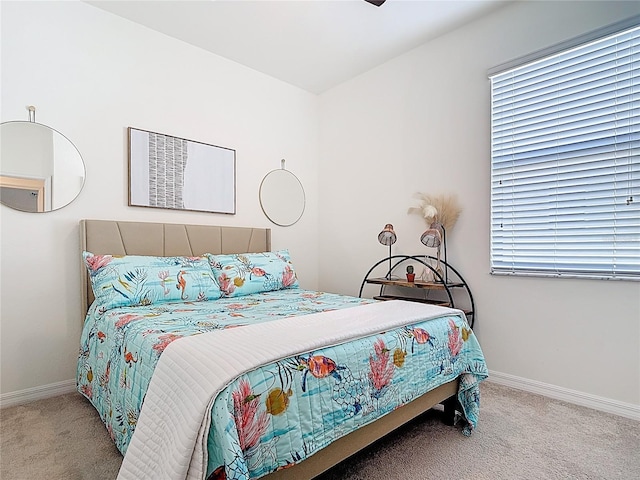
[(410, 275)]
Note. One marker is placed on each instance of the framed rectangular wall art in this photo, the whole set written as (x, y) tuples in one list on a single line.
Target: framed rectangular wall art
[(175, 173)]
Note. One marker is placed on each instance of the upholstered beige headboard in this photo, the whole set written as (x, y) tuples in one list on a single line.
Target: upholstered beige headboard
[(109, 237)]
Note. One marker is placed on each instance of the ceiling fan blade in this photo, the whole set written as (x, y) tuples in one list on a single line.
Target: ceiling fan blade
[(377, 3)]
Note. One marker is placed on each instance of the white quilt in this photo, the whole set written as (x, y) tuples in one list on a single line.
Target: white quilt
[(170, 438)]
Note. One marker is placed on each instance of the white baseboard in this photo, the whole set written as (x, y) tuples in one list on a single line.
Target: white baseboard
[(37, 393), (603, 404)]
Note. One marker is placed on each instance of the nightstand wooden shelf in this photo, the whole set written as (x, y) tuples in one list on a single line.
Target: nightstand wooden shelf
[(450, 289), (413, 299), (414, 284)]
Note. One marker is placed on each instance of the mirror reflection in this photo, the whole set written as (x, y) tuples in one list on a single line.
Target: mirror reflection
[(40, 169), (282, 197)]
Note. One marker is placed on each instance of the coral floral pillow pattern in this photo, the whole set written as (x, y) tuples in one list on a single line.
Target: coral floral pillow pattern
[(244, 274), (132, 280)]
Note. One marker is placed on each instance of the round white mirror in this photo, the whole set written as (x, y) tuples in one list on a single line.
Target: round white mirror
[(41, 170), (282, 197)]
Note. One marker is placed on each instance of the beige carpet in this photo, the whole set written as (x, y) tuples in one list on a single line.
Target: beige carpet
[(520, 436)]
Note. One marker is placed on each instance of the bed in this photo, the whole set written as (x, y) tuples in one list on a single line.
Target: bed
[(308, 378)]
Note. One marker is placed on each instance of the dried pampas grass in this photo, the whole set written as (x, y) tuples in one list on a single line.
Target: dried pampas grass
[(444, 209)]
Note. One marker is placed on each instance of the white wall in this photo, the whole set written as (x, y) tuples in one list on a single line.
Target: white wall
[(420, 123), (90, 75)]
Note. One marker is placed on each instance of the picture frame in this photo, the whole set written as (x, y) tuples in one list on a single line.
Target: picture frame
[(176, 173)]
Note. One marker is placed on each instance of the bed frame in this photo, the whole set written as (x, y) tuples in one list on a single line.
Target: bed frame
[(166, 239)]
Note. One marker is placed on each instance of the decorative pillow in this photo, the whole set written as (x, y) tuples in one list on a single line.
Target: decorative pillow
[(246, 273), (132, 280)]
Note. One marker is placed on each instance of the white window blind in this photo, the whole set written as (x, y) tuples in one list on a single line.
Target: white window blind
[(565, 162)]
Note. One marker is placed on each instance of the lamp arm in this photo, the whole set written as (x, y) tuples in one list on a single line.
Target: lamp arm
[(444, 241)]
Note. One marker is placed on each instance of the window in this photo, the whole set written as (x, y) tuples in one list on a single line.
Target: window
[(565, 162)]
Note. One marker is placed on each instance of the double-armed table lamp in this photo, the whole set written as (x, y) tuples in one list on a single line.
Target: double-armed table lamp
[(436, 236), (388, 237)]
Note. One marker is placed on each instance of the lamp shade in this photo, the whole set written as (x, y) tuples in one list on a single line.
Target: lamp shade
[(431, 236), (387, 236)]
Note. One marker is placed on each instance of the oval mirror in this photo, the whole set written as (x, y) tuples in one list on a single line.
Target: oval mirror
[(40, 169), (282, 197)]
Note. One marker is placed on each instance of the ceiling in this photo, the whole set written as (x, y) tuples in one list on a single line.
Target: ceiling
[(312, 44)]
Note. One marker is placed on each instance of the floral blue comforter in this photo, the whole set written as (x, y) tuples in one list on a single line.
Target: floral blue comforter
[(278, 414)]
